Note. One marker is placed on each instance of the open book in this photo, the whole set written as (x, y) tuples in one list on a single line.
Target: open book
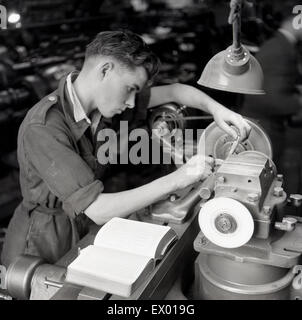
[(123, 255)]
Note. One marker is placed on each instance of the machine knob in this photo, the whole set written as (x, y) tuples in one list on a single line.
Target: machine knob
[(205, 193), (287, 224), (278, 191), (296, 199)]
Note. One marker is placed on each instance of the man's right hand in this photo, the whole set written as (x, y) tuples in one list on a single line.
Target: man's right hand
[(197, 168), (121, 204)]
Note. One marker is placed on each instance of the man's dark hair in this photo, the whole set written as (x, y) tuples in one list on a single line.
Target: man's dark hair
[(127, 47)]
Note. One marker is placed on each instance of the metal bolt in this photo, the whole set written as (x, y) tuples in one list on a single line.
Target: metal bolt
[(51, 283), (290, 221), (266, 209), (296, 199), (225, 223), (287, 224), (173, 197), (234, 189), (253, 197), (221, 179), (51, 98), (278, 191), (205, 193), (203, 241)]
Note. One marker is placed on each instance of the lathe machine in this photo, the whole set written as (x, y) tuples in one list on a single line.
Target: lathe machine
[(236, 238)]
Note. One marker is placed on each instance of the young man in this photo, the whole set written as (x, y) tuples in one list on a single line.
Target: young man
[(55, 150)]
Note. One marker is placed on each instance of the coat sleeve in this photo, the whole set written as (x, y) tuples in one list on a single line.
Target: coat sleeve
[(51, 155)]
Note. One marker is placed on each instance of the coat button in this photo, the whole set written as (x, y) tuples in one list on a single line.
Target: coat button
[(52, 98)]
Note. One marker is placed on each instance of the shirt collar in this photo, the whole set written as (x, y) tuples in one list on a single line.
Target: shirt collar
[(288, 35), (78, 110), (77, 128)]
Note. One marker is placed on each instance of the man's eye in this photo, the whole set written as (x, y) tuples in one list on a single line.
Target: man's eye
[(130, 89)]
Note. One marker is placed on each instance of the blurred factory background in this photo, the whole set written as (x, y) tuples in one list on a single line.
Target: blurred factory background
[(45, 39)]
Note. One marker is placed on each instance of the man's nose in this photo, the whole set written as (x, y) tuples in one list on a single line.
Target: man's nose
[(130, 102)]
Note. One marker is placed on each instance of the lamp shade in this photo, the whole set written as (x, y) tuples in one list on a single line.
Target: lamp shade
[(233, 71)]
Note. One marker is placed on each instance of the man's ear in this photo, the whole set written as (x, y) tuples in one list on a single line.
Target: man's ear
[(105, 68)]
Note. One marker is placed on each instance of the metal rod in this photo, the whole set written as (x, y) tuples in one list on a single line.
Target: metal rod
[(52, 283), (236, 34), (188, 118), (235, 20), (234, 145)]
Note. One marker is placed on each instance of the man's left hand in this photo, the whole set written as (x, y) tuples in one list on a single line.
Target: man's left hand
[(226, 118)]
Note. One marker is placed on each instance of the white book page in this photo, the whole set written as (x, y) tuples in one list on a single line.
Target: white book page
[(131, 236), (111, 265)]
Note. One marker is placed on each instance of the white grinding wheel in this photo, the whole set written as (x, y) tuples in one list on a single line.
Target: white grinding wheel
[(226, 222)]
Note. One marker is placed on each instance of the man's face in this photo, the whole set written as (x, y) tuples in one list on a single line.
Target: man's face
[(116, 91)]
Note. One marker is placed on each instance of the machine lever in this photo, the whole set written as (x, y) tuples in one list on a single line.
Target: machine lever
[(234, 145)]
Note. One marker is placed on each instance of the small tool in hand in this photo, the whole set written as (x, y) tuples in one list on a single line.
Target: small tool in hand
[(234, 145)]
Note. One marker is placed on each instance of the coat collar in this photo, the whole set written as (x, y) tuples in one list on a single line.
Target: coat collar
[(77, 128)]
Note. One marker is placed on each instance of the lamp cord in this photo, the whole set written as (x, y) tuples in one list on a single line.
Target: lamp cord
[(235, 19), (235, 6)]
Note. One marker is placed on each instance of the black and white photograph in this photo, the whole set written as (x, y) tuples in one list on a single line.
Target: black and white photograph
[(150, 150)]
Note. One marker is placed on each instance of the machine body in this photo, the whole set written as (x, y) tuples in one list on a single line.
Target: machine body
[(266, 266)]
